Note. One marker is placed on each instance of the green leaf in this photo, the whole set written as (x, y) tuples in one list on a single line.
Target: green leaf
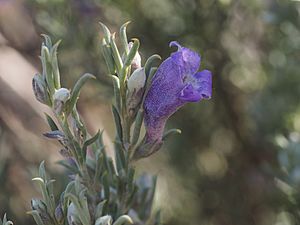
[(47, 41), (116, 54), (76, 91), (123, 220), (111, 167), (51, 123), (132, 52), (132, 195), (36, 217), (116, 84), (100, 143), (89, 142), (45, 186), (47, 69), (79, 124), (42, 171), (54, 63), (120, 159), (118, 124), (170, 133), (106, 186), (107, 33), (150, 77), (108, 57), (99, 166), (130, 179), (149, 63), (81, 209), (91, 163), (123, 37), (99, 209), (70, 187), (137, 127)]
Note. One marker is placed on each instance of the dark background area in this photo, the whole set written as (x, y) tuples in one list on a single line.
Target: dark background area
[(238, 152)]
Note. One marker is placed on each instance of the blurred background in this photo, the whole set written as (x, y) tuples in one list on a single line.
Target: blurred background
[(238, 158)]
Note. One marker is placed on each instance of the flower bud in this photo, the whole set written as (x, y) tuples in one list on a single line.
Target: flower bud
[(135, 85), (60, 97), (59, 215), (72, 215), (137, 80), (39, 89), (62, 94), (104, 220), (136, 62)]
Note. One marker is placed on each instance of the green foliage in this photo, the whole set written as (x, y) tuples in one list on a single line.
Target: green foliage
[(100, 192)]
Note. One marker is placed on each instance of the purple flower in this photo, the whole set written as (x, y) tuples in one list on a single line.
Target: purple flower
[(175, 83)]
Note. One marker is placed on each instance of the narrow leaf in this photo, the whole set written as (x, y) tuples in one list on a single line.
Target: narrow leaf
[(51, 123), (132, 52), (117, 122), (108, 57), (47, 70), (76, 91), (106, 187), (54, 62), (116, 84), (106, 31), (170, 132), (123, 37), (47, 41), (99, 209), (89, 142), (123, 220), (116, 54), (137, 127), (36, 217), (149, 63)]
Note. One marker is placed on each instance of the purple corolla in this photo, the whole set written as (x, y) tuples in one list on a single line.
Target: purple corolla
[(175, 83)]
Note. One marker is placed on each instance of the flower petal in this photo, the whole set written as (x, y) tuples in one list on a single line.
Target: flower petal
[(204, 83), (189, 94), (188, 60)]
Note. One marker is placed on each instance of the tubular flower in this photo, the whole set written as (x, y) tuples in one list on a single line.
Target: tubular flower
[(175, 83)]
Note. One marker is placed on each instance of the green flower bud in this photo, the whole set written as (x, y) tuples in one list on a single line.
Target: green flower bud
[(136, 62), (60, 97), (104, 220), (135, 85), (59, 215), (40, 89)]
